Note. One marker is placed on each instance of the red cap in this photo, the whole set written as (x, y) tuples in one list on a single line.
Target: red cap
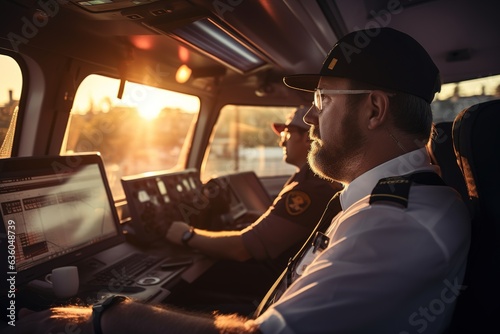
[(295, 119)]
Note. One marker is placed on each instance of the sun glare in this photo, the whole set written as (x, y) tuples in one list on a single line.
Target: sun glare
[(150, 109), (149, 101)]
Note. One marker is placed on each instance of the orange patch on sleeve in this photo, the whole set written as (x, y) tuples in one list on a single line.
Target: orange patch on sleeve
[(297, 202)]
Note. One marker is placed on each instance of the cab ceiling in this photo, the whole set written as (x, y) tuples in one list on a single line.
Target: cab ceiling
[(293, 36)]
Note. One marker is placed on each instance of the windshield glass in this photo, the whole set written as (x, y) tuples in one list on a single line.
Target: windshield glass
[(10, 92), (243, 140), (146, 130), (454, 97)]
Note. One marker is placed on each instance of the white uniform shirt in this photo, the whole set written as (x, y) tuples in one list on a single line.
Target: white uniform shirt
[(386, 269)]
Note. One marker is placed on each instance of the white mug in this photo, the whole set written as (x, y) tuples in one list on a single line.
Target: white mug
[(64, 281)]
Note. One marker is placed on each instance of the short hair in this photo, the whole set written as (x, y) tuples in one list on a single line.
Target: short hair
[(412, 114)]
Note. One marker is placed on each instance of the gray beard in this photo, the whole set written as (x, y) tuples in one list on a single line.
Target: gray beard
[(335, 166)]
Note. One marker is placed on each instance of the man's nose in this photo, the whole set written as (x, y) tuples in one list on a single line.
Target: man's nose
[(311, 115), (282, 142)]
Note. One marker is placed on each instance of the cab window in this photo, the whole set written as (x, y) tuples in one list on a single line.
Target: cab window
[(10, 91), (146, 130), (454, 97), (243, 140)]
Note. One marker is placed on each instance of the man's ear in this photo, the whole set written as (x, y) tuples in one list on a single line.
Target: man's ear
[(377, 109)]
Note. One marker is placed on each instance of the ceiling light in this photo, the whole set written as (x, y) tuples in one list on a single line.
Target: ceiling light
[(183, 74), (217, 42)]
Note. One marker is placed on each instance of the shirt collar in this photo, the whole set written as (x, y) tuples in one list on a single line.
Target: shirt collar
[(402, 165)]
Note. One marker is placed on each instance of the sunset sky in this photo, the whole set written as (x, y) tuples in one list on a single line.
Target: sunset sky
[(10, 78), (149, 100)]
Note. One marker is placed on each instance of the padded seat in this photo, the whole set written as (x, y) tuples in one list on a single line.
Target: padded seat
[(476, 138)]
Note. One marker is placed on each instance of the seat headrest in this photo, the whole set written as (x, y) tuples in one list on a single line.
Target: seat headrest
[(476, 138)]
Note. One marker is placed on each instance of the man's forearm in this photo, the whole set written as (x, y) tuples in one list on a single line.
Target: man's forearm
[(221, 244), (130, 317)]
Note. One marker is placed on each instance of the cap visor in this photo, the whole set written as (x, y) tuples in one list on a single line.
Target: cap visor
[(278, 127), (305, 82)]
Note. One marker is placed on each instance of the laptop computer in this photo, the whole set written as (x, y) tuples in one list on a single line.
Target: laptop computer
[(59, 211)]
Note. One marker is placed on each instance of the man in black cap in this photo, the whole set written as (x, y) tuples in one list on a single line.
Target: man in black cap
[(393, 260)]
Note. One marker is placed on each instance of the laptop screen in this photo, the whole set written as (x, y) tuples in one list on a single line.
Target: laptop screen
[(61, 209)]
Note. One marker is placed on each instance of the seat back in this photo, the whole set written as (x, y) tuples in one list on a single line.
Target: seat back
[(476, 140)]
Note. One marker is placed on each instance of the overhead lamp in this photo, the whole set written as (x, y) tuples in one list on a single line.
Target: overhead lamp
[(183, 74), (218, 43)]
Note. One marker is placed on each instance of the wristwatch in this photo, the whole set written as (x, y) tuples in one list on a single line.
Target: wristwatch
[(188, 235), (101, 306)]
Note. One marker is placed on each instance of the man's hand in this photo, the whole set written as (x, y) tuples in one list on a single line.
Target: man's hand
[(175, 232), (73, 319)]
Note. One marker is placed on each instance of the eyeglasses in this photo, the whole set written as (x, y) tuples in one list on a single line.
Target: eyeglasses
[(318, 94), (286, 134)]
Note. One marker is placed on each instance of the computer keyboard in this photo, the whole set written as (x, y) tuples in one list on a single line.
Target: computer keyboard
[(126, 271)]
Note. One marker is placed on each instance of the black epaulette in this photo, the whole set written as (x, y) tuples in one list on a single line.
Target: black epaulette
[(395, 189)]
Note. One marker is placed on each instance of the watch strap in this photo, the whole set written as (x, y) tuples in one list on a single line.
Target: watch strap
[(188, 235), (101, 306)]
